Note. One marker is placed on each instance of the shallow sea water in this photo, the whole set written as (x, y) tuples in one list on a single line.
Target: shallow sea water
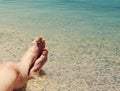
[(82, 37)]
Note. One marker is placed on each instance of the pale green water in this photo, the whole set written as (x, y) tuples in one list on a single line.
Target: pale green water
[(81, 16), (66, 23)]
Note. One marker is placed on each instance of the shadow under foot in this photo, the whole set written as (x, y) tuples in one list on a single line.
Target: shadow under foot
[(24, 88)]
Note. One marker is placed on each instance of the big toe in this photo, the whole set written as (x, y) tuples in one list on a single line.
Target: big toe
[(37, 44), (38, 39)]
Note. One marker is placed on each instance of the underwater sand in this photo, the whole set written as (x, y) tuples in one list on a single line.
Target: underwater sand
[(75, 63)]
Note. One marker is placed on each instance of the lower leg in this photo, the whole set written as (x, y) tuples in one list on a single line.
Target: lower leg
[(8, 76)]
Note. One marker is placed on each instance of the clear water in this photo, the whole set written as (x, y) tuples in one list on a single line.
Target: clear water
[(76, 16)]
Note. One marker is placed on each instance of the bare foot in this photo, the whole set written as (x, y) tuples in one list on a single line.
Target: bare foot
[(33, 52), (39, 63)]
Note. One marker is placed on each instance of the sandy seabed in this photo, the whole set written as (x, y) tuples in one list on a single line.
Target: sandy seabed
[(76, 63)]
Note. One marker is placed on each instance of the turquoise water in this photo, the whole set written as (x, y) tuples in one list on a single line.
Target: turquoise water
[(80, 16)]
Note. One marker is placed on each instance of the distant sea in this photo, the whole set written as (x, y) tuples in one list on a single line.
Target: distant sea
[(78, 16)]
